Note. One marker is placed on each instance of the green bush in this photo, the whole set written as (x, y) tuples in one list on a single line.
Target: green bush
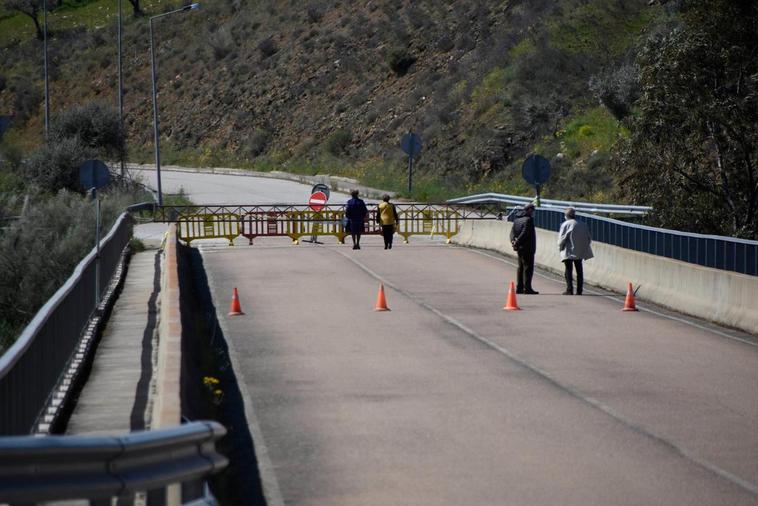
[(400, 61), (94, 125), (338, 141), (39, 250), (55, 166)]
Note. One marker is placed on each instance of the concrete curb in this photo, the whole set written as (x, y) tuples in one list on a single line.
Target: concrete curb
[(722, 297), (336, 183), (167, 409), (167, 404)]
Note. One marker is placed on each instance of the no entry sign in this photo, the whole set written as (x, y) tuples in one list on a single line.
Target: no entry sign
[(318, 201)]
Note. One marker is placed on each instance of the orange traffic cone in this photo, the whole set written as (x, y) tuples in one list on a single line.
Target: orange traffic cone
[(629, 302), (381, 301), (235, 308), (511, 304)]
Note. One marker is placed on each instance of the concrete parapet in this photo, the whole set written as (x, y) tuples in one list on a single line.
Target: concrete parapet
[(723, 297), (167, 406)]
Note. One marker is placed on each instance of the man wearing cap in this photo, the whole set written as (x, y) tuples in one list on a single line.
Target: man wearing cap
[(524, 241)]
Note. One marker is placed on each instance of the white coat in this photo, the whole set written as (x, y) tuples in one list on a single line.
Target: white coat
[(574, 241)]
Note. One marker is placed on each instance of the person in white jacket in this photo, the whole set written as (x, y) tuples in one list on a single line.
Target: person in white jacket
[(574, 243)]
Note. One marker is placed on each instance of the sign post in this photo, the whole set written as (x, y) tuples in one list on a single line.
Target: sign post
[(536, 172), (319, 197), (411, 145), (94, 174)]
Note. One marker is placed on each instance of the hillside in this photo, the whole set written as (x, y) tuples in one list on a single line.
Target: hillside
[(331, 86)]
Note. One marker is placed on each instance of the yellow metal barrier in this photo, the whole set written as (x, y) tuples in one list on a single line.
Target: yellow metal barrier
[(209, 226), (297, 223)]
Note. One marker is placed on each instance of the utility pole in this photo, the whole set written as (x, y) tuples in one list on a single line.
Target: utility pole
[(120, 86), (47, 87)]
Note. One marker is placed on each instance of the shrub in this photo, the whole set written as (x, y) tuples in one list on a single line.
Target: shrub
[(445, 43), (618, 89), (267, 47), (55, 166), (221, 43), (95, 126), (28, 97), (338, 141), (40, 249), (257, 142), (400, 60)]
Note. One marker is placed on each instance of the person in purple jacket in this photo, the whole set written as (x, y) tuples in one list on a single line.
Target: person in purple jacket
[(356, 212)]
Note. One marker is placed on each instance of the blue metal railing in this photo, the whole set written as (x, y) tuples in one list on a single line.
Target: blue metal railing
[(718, 252)]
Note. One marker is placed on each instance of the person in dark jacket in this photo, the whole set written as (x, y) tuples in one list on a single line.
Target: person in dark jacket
[(356, 212), (524, 242)]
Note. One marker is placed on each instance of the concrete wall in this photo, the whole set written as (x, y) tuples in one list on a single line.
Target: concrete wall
[(720, 296), (167, 409)]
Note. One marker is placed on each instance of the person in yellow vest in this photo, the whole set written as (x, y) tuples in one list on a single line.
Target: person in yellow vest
[(386, 216)]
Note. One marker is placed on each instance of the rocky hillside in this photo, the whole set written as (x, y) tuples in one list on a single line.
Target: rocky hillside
[(331, 85)]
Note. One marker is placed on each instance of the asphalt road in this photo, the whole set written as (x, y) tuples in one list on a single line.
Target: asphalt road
[(205, 188), (447, 399)]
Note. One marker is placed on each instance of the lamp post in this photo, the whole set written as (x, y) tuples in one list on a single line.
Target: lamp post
[(47, 88), (120, 84), (156, 132)]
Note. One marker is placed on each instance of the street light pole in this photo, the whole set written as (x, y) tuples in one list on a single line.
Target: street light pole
[(120, 85), (47, 88), (156, 128)]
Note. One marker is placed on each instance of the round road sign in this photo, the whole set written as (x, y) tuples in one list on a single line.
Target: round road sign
[(321, 187), (411, 144), (536, 170), (93, 174), (318, 201)]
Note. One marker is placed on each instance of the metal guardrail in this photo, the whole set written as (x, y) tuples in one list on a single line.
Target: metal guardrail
[(34, 469), (32, 367), (587, 207), (718, 252), (298, 221)]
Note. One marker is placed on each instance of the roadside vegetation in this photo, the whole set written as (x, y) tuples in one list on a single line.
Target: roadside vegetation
[(328, 86), (47, 224)]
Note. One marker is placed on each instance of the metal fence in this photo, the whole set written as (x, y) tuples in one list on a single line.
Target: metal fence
[(726, 253), (298, 221), (98, 468), (587, 207), (31, 368)]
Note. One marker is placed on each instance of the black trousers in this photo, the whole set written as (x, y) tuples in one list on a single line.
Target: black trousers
[(525, 271), (569, 264), (387, 232)]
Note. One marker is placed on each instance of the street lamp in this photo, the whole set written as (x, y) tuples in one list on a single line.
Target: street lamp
[(156, 132), (47, 88), (120, 83)]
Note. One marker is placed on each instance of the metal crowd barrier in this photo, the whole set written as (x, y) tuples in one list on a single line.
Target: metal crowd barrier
[(31, 368), (98, 468), (718, 252), (296, 222)]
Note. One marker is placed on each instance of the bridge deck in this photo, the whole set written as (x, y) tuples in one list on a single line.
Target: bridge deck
[(115, 397), (447, 399)]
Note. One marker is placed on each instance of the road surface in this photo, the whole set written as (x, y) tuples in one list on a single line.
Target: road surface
[(447, 399), (206, 188)]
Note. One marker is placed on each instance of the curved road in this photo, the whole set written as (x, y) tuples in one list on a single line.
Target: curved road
[(447, 399)]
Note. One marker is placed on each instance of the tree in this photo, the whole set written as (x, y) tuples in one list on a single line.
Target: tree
[(693, 147), (29, 7)]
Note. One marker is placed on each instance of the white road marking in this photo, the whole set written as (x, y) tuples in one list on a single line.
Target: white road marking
[(680, 450)]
